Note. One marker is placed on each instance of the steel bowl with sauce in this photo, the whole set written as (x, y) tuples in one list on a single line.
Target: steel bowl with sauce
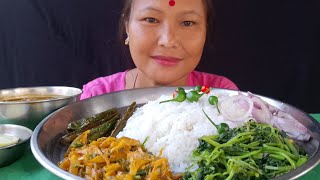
[(12, 151), (27, 106)]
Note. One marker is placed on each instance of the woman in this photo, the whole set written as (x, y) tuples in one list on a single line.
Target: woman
[(166, 41)]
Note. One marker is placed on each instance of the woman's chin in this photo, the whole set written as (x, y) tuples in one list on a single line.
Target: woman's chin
[(170, 81)]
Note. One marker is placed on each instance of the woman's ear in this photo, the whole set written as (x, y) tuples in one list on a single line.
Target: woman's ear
[(127, 27)]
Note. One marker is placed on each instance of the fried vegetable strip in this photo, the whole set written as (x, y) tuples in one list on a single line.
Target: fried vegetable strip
[(69, 137), (76, 128), (82, 123), (103, 129), (123, 121)]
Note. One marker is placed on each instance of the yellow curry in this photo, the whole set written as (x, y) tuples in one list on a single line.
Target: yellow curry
[(111, 158)]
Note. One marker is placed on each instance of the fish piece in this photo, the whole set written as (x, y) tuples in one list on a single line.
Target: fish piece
[(291, 127), (266, 113)]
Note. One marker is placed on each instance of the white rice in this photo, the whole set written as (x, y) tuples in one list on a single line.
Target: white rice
[(175, 127)]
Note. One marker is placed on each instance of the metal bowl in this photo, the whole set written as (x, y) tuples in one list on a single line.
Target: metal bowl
[(47, 150), (30, 113), (10, 153)]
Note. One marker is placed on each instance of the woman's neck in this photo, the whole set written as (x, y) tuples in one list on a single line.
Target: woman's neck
[(137, 79)]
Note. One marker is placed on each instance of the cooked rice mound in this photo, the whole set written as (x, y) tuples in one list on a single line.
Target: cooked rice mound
[(174, 127)]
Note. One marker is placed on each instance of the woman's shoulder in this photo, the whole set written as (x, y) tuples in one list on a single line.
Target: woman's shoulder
[(102, 85), (106, 80), (212, 80)]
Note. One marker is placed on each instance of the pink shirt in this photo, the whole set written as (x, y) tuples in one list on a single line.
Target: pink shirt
[(117, 82)]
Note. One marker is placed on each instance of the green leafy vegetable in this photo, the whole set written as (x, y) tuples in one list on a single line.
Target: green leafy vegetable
[(253, 151)]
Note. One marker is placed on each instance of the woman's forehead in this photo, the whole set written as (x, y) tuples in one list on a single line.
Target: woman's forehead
[(164, 6)]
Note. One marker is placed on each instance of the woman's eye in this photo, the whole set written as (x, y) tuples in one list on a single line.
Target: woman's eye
[(187, 23), (151, 20)]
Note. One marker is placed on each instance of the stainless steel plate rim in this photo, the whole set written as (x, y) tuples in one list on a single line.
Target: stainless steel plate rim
[(42, 159), (45, 162)]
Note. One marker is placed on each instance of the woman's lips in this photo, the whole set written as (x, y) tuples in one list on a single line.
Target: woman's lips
[(166, 60)]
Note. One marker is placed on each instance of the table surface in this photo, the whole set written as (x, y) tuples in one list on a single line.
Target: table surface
[(27, 167)]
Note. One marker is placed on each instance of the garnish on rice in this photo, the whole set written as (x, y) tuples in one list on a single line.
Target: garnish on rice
[(194, 95)]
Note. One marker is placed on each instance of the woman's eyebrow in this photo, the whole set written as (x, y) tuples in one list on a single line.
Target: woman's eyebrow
[(191, 12), (150, 8), (188, 12)]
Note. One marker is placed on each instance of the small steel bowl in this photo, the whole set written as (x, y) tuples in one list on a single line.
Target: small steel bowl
[(10, 153), (30, 113)]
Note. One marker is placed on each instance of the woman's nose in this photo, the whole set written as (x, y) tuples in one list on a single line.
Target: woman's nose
[(168, 37)]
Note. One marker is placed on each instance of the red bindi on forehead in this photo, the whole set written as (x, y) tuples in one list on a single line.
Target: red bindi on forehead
[(172, 2)]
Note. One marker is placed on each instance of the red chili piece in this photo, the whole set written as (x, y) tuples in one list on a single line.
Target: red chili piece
[(174, 93), (172, 2), (205, 89)]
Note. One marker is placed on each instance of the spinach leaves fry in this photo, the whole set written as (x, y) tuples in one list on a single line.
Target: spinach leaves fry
[(253, 151)]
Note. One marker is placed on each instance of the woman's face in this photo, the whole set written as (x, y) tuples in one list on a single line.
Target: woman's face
[(166, 42)]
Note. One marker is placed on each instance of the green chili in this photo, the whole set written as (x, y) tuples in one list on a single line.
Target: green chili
[(221, 128)]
